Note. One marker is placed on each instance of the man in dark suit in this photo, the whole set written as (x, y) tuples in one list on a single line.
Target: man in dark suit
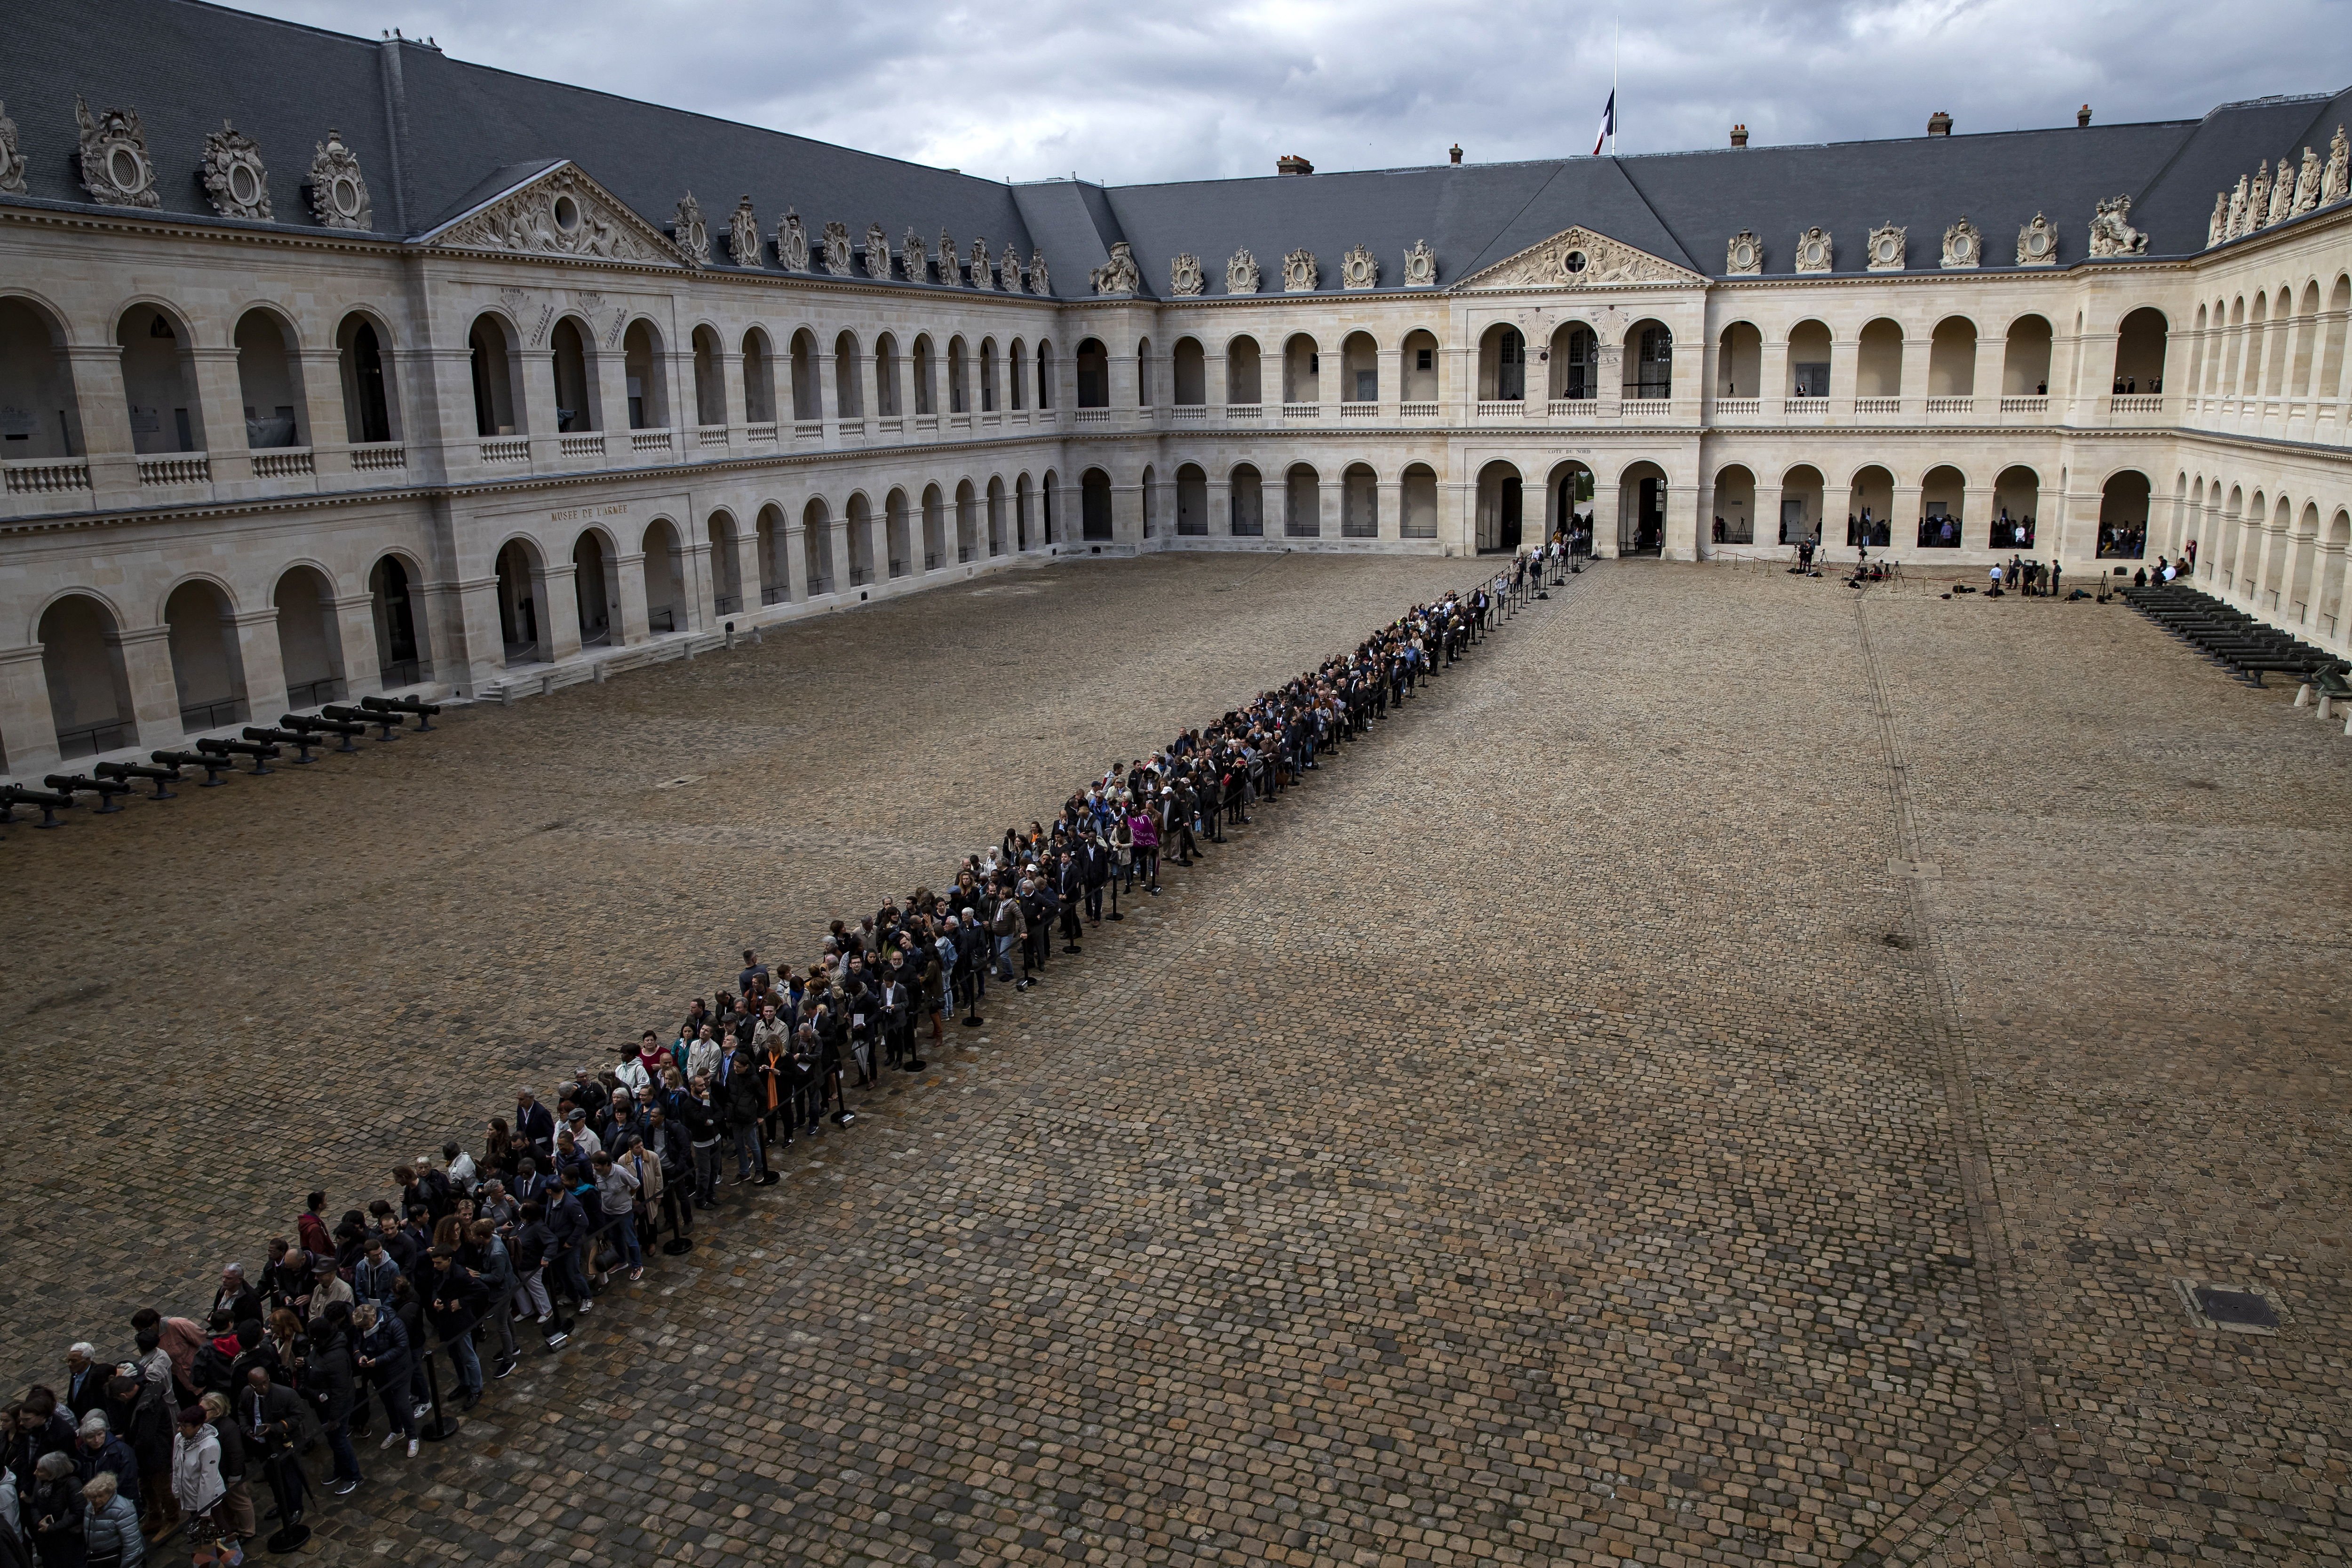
[(85, 1381), (535, 1124)]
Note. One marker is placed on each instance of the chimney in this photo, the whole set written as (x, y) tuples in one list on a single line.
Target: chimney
[(1455, 154), (2083, 116), (1939, 124), (1292, 164), (1740, 136)]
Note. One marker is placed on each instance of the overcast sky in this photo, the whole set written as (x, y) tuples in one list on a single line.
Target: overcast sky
[(1123, 91)]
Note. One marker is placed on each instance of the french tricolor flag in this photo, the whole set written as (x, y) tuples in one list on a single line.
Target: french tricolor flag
[(1608, 123)]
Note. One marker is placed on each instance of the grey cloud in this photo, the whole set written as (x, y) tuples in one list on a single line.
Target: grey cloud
[(1135, 92)]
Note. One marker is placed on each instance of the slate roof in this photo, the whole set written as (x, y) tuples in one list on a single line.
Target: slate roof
[(435, 136)]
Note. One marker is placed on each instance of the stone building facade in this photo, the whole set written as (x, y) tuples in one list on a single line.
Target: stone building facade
[(295, 413)]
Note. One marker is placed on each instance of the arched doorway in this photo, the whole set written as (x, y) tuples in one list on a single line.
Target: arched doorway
[(2123, 516), (1359, 503), (1869, 502), (1500, 504), (725, 565), (595, 588), (967, 521), (310, 639), (270, 379), (2015, 495), (1419, 503), (665, 579), (1192, 499), (1734, 506), (1020, 517), (1642, 510), (995, 541), (2140, 352), (518, 601), (816, 547), (1569, 505), (1941, 492), (1801, 504), (1094, 374), (371, 412), (39, 416), (1094, 504), (1302, 502), (1502, 366), (399, 624), (861, 541), (159, 382), (775, 564), (206, 668), (1245, 501), (89, 691), (935, 528), (897, 540)]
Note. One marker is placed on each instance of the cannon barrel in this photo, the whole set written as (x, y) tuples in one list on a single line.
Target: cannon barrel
[(125, 771), (387, 722), (82, 784), (214, 766), (13, 795)]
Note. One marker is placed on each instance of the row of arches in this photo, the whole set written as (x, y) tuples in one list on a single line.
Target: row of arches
[(42, 413), (2267, 552), (1951, 365), (888, 378), (224, 665), (2273, 344)]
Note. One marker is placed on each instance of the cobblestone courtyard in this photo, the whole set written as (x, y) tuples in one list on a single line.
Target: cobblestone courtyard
[(1731, 1075)]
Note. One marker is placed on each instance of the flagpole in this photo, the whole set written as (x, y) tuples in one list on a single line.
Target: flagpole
[(1613, 90)]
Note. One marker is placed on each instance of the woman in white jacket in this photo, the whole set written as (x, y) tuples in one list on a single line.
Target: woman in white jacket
[(196, 1486)]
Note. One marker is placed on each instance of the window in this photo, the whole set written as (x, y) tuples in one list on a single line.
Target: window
[(1423, 358), (1579, 381), (1656, 368)]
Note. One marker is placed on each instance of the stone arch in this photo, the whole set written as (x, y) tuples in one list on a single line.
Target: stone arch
[(1049, 513), (1641, 503), (159, 380), (41, 413), (396, 604), (817, 564), (757, 355), (1302, 502), (935, 528), (1359, 501), (1016, 374), (1302, 368), (886, 391), (1942, 495), (521, 589), (1739, 360), (923, 366), (1734, 521), (995, 520), (1569, 491), (898, 532), (970, 524), (1093, 362), (808, 391), (988, 374), (1502, 364), (1192, 500), (596, 586), (1417, 512), (1499, 523), (90, 708), (2140, 344), (1023, 495), (2025, 356), (664, 568), (646, 369), (1870, 501), (1245, 375), (709, 376), (2331, 360), (1094, 524), (848, 401), (1192, 377), (1245, 501), (1419, 353), (2123, 499), (208, 665), (2306, 321), (2327, 606), (770, 547), (727, 585), (2016, 497), (1359, 368), (367, 370), (1143, 372), (1811, 347), (579, 377), (310, 635), (959, 375), (1952, 358), (1803, 492), (860, 514), (1878, 358), (270, 379), (1649, 360), (1045, 375), (2302, 545)]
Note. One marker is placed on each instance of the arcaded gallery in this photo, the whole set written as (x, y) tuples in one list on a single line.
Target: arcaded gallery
[(303, 398)]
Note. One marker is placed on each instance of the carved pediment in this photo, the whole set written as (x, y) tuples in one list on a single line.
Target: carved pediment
[(1577, 258), (559, 213)]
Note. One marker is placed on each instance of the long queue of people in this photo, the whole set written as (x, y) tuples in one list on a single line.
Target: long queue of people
[(335, 1335)]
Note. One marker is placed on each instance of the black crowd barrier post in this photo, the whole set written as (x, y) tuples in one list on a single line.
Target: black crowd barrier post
[(81, 783), (126, 772), (213, 766), (441, 1426), (293, 1535), (674, 1206), (971, 1019)]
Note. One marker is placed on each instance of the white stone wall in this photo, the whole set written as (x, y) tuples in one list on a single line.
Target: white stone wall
[(2245, 446)]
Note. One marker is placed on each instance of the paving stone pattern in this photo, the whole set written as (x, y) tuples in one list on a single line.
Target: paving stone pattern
[(1729, 1076)]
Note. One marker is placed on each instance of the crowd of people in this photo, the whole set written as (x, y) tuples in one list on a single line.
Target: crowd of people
[(341, 1330)]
